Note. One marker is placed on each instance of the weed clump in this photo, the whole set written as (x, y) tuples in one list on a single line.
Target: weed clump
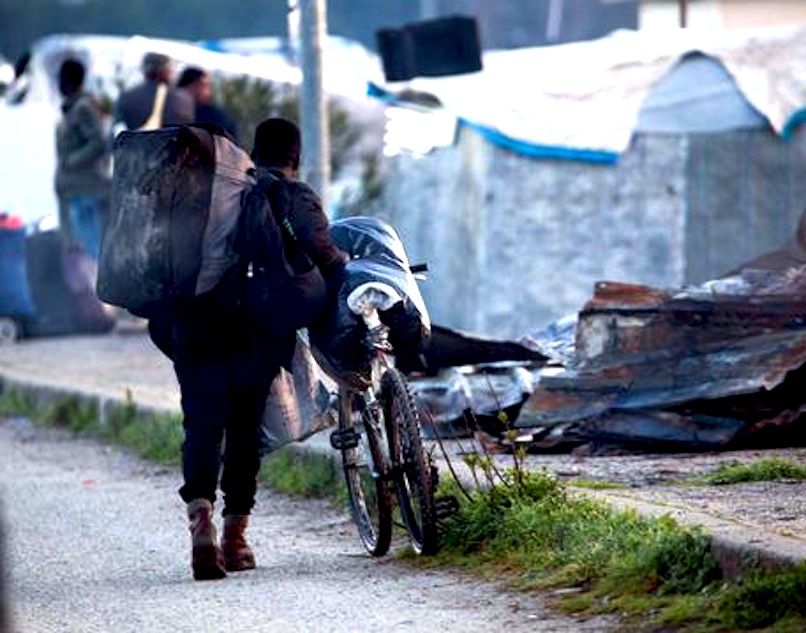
[(530, 523), (765, 599), (769, 469), (303, 473)]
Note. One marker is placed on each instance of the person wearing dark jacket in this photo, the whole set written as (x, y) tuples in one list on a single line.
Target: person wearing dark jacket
[(199, 84), (154, 102), (83, 182), (224, 375)]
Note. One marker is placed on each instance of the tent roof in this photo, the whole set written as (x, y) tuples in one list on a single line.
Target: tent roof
[(584, 100)]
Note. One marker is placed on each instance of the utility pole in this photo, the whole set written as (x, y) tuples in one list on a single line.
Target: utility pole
[(683, 14), (312, 24), (554, 21)]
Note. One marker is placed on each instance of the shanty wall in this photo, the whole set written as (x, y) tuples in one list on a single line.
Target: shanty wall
[(513, 243), (746, 193)]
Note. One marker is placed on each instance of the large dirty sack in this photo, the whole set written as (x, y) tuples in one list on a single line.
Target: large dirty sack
[(378, 259), (176, 200)]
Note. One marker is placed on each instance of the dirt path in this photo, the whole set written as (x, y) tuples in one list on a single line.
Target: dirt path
[(97, 542)]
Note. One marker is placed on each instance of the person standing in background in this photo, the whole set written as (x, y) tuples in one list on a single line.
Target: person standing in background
[(83, 183), (153, 103), (199, 83)]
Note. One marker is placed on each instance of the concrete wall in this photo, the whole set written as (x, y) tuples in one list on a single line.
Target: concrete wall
[(746, 193), (514, 243)]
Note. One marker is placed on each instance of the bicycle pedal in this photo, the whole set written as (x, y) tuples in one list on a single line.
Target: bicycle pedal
[(344, 439), (446, 506)]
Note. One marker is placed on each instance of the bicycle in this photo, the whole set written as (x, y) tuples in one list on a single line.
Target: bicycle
[(379, 437)]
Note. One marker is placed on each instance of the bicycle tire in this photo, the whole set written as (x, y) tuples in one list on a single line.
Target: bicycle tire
[(411, 466), (366, 469)]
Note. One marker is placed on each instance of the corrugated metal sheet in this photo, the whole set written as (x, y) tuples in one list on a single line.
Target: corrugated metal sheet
[(685, 369)]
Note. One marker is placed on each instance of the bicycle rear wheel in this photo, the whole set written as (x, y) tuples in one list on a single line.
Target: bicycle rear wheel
[(366, 471), (411, 466)]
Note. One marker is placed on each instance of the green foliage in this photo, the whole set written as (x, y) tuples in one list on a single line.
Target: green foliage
[(157, 437), (71, 412), (673, 562), (765, 599), (769, 469), (118, 417), (592, 484), (528, 525), (249, 101), (303, 473), (366, 199), (650, 570), (14, 402)]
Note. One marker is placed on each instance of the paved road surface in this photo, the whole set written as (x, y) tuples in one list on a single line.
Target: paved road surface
[(97, 542)]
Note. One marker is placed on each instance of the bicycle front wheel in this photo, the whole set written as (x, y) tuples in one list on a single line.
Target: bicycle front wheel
[(366, 471), (411, 466)]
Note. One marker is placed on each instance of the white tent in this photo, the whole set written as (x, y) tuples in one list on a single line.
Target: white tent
[(584, 101)]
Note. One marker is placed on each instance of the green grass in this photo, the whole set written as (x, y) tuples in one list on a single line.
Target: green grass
[(769, 469), (653, 572), (157, 437), (593, 484), (303, 473), (766, 599), (73, 413), (14, 402)]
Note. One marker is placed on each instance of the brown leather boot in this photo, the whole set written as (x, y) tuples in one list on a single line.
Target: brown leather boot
[(207, 561), (238, 556)]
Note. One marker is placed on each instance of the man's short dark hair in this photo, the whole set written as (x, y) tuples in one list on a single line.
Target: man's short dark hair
[(71, 75), (278, 143), (154, 63), (190, 76)]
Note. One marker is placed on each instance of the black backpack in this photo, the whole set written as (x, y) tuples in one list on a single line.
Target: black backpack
[(279, 287)]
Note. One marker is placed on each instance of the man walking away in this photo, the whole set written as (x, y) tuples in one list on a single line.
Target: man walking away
[(225, 368)]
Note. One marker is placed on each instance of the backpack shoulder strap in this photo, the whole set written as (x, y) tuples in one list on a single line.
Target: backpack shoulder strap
[(259, 232)]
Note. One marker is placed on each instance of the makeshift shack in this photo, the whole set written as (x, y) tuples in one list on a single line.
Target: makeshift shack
[(662, 159), (719, 365)]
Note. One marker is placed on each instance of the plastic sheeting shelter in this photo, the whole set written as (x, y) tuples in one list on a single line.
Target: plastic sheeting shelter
[(585, 101), (706, 169)]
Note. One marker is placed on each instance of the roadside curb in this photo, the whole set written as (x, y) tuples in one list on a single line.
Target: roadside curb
[(47, 394), (737, 547)]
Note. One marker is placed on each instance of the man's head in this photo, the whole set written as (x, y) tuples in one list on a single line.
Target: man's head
[(157, 67), (277, 144), (198, 82), (71, 77)]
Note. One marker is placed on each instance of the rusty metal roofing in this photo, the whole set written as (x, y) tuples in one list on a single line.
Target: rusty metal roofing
[(652, 365)]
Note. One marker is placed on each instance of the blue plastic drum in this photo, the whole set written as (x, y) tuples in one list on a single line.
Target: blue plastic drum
[(15, 296)]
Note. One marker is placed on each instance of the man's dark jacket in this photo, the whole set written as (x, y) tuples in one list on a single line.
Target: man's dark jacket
[(134, 106)]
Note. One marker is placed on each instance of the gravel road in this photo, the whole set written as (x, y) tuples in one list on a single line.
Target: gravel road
[(96, 541)]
